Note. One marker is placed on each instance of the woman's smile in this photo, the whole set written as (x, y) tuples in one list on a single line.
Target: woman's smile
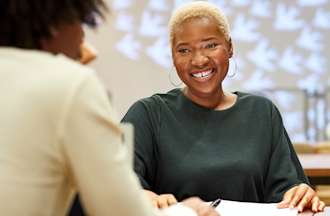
[(203, 75)]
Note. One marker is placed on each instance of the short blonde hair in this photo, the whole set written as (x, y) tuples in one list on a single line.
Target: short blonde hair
[(198, 9)]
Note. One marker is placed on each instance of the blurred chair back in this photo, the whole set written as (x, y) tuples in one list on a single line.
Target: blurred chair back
[(305, 148), (323, 147)]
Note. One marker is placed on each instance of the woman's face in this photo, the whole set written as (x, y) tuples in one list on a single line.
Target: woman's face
[(201, 56)]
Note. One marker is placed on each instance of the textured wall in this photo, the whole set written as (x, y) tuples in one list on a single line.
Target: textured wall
[(281, 44)]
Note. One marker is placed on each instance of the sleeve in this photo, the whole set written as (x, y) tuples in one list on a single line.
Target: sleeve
[(95, 157), (284, 170), (144, 142)]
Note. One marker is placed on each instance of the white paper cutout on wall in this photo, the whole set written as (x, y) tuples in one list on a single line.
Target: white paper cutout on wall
[(152, 24), (317, 63), (263, 56), (291, 61), (322, 19), (124, 22), (261, 9), (309, 82), (245, 29), (287, 18), (310, 40), (129, 47), (160, 52), (258, 80)]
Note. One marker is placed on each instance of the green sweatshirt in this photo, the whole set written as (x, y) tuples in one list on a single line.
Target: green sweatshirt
[(242, 153)]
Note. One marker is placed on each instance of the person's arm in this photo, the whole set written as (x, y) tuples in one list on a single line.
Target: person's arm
[(302, 195), (97, 162), (95, 155), (145, 115), (285, 174)]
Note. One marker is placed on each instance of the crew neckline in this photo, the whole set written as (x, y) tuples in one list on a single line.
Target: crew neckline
[(195, 105)]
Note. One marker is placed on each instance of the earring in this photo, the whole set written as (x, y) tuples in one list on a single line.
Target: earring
[(232, 61), (171, 80)]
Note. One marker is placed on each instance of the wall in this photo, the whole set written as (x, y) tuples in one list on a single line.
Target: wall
[(278, 45)]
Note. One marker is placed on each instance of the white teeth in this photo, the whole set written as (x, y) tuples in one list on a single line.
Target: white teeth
[(202, 74), (198, 75)]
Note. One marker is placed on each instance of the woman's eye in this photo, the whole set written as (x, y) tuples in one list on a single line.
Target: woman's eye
[(183, 50), (211, 45)]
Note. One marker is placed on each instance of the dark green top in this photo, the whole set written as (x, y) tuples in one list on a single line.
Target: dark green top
[(242, 153)]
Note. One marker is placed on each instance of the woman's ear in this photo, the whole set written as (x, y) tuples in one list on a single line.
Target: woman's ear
[(230, 50), (88, 53)]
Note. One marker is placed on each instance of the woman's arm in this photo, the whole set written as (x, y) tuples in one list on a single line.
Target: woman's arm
[(96, 158), (285, 178)]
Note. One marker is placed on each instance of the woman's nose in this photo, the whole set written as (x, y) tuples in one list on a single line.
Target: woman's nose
[(199, 59)]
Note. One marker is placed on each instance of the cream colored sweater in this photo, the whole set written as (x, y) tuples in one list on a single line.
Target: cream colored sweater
[(58, 135)]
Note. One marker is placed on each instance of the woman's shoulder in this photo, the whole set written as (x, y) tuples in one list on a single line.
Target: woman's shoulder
[(255, 98), (155, 102), (160, 99)]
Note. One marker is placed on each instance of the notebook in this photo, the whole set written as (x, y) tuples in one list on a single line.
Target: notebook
[(235, 208)]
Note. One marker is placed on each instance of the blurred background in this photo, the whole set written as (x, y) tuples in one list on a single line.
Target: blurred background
[(281, 51)]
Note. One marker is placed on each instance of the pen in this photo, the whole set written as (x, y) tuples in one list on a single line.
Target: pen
[(215, 203)]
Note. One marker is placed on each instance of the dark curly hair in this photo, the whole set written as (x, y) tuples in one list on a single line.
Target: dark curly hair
[(24, 22)]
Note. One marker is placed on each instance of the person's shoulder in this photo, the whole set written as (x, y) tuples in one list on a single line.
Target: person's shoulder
[(54, 81), (58, 76), (160, 99), (44, 65), (153, 104), (67, 68), (256, 98), (64, 72)]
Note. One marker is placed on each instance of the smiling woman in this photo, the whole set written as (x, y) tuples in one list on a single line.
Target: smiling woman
[(201, 48), (204, 141), (201, 57)]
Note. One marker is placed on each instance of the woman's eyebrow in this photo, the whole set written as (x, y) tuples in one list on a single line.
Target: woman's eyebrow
[(208, 39)]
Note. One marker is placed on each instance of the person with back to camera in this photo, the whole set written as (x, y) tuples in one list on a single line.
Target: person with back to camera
[(203, 141), (59, 134)]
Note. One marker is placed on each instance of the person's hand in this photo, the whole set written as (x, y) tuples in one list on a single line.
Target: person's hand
[(200, 207), (302, 196), (161, 201)]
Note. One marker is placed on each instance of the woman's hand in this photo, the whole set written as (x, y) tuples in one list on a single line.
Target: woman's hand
[(198, 205), (302, 196), (161, 201)]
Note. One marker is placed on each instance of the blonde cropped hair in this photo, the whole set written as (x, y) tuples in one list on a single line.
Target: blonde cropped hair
[(198, 9)]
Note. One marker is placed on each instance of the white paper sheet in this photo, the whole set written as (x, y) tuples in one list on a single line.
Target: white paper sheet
[(233, 208)]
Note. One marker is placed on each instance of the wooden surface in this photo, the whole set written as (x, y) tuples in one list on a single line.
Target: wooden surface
[(315, 165), (309, 213)]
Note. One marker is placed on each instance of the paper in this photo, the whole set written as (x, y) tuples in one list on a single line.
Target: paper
[(234, 208)]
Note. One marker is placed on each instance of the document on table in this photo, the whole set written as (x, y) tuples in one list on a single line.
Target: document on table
[(234, 208)]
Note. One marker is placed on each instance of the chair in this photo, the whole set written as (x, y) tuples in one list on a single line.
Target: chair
[(305, 148), (323, 147)]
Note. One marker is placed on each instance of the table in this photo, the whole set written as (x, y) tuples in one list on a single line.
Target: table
[(316, 167), (309, 213)]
